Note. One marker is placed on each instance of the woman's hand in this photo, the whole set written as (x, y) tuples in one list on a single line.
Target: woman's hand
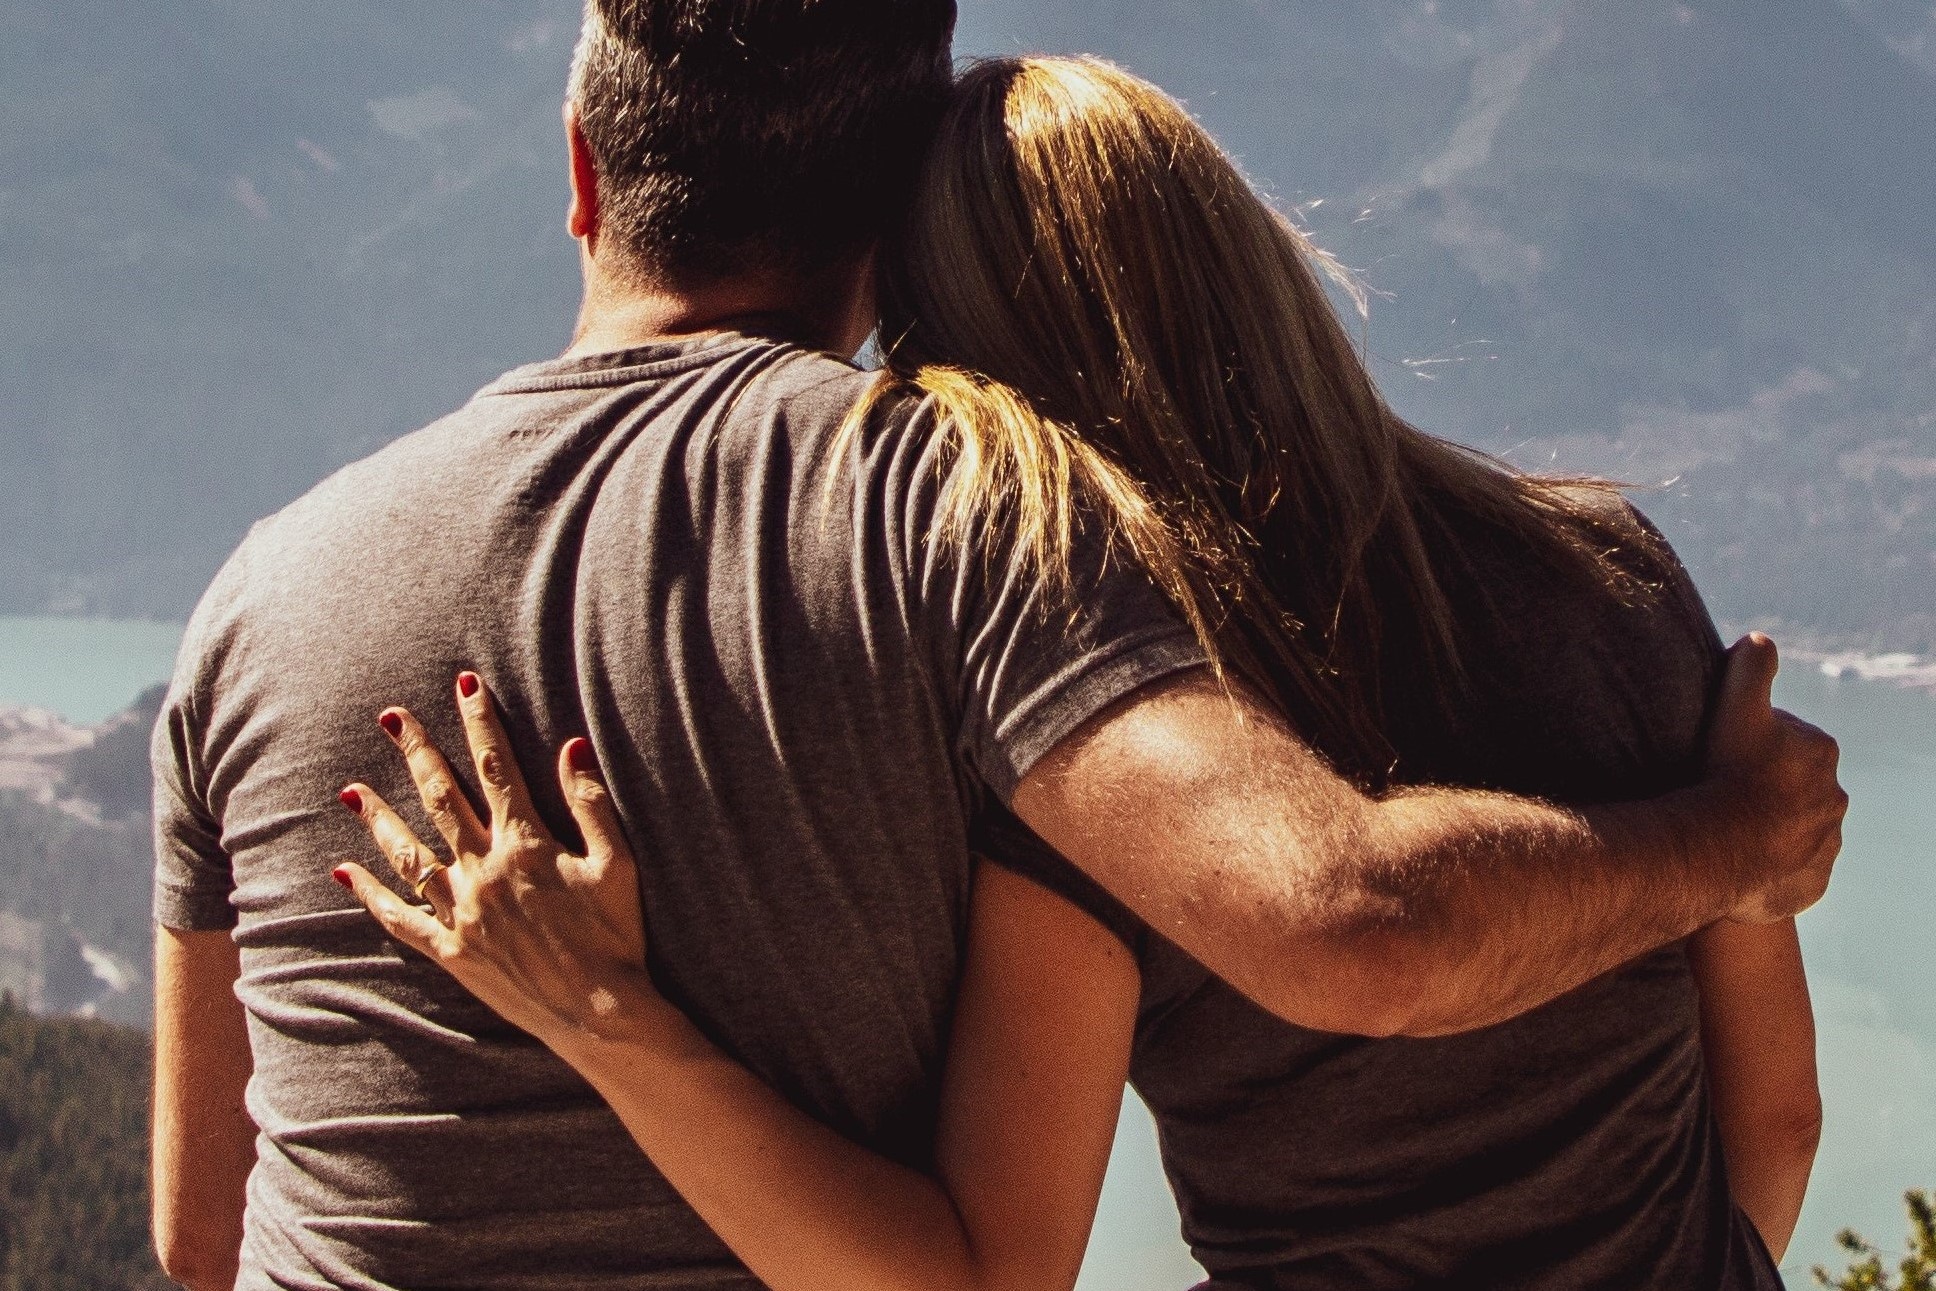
[(1039, 1047), (553, 941)]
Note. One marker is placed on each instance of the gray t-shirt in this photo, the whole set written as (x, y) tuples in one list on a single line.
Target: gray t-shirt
[(1570, 1149), (800, 701)]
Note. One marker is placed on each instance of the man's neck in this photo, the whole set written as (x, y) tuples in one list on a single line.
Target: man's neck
[(821, 312)]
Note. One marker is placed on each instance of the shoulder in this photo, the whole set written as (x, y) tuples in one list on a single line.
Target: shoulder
[(1655, 584), (810, 389), (1603, 665), (317, 536), (867, 434), (1633, 565)]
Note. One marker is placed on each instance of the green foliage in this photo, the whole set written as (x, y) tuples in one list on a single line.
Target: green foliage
[(73, 1156), (1866, 1272)]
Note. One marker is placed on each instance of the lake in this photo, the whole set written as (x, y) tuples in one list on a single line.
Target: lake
[(1870, 947), (83, 669)]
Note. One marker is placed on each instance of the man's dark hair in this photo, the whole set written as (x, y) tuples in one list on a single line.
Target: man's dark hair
[(757, 134)]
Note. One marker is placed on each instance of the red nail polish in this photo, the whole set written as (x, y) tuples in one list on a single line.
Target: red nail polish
[(580, 758), (342, 876), (467, 684), (352, 799), (392, 725)]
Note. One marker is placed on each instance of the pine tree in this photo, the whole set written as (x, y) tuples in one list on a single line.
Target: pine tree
[(73, 1155)]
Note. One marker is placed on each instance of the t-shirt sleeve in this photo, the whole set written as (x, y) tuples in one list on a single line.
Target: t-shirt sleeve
[(193, 879), (1000, 838), (1032, 659)]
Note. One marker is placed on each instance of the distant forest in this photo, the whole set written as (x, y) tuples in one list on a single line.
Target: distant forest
[(73, 1156)]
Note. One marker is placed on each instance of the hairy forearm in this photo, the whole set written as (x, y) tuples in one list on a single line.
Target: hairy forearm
[(802, 1206), (1499, 904), (1422, 912)]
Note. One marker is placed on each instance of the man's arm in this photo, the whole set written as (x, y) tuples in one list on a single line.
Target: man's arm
[(204, 1141), (1427, 911)]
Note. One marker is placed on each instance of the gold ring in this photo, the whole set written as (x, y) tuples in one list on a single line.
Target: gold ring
[(436, 868)]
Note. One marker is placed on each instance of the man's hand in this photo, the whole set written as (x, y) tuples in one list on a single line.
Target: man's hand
[(1772, 778)]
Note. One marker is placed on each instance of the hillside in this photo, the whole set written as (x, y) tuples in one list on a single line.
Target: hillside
[(1677, 242), (75, 860), (73, 1156)]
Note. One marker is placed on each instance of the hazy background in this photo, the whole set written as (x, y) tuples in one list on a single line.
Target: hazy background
[(244, 242), (247, 241)]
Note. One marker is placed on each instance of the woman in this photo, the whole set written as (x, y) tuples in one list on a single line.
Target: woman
[(1121, 333)]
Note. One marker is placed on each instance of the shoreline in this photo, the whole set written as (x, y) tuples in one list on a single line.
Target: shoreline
[(1901, 669)]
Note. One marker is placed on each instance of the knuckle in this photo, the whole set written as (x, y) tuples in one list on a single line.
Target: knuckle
[(440, 795), (523, 841), (491, 765)]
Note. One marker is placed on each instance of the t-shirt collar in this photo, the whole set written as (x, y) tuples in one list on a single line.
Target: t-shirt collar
[(624, 366)]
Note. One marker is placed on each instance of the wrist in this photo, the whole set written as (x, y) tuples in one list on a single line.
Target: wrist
[(623, 1012), (1693, 839)]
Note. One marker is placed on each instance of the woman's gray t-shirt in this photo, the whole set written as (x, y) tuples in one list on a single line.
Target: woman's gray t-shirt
[(1570, 1148), (799, 699)]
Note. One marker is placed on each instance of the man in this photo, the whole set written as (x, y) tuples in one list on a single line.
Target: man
[(662, 541)]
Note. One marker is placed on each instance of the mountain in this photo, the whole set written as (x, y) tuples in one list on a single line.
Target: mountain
[(1687, 244), (75, 863)]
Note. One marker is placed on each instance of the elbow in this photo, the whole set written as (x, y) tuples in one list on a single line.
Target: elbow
[(1368, 983), (1374, 1010), (1388, 985), (1772, 1144), (1800, 1125), (1368, 954), (1786, 1128), (190, 1259), (195, 1270)]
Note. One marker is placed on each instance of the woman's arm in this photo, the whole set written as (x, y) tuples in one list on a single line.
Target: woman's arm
[(1033, 1085), (1759, 1035), (1032, 1091), (204, 1141)]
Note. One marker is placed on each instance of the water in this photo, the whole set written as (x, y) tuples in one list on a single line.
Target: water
[(1870, 948), (1871, 953), (83, 669)]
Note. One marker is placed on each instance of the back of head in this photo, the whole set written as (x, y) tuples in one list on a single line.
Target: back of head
[(1101, 300), (737, 135)]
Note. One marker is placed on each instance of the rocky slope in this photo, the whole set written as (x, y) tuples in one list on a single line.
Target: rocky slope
[(75, 934)]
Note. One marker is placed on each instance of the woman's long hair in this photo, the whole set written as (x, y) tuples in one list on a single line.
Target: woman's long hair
[(1114, 325)]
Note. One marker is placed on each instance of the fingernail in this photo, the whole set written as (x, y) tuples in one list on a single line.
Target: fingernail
[(342, 876), (352, 799), (467, 684), (580, 758), (392, 725)]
